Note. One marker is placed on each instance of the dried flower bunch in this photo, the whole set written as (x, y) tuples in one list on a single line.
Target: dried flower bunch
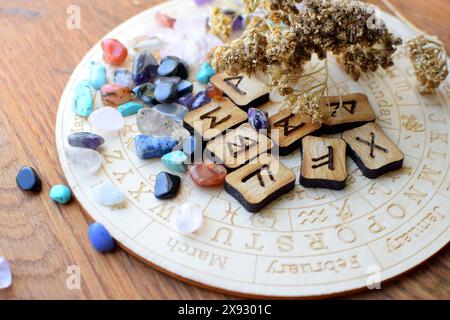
[(282, 39), (430, 62)]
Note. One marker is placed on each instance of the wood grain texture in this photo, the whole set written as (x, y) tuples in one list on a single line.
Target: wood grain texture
[(41, 239)]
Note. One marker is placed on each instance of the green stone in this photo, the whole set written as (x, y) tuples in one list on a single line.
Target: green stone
[(61, 194), (175, 160), (130, 108), (83, 104)]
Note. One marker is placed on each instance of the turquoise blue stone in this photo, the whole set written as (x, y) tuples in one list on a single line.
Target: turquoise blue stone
[(61, 194), (175, 161), (83, 105), (100, 238), (205, 73), (148, 147), (130, 108), (98, 75), (176, 112)]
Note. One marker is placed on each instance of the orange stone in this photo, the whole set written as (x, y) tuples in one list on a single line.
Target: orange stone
[(213, 92), (164, 20), (208, 175), (114, 52), (114, 95)]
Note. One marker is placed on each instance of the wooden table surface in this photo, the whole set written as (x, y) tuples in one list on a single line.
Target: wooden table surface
[(40, 239)]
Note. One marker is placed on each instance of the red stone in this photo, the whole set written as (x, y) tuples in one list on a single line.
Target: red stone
[(208, 175), (164, 20), (213, 92), (113, 95), (114, 52)]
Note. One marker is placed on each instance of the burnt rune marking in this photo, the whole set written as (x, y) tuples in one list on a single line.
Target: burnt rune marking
[(245, 143), (258, 173), (235, 86), (214, 121), (349, 106), (288, 129), (372, 145), (329, 162)]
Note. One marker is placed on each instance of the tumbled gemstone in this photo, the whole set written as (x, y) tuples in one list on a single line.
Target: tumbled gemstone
[(176, 112), (61, 194), (188, 218), (5, 274), (238, 23), (205, 73), (258, 119), (107, 119), (208, 175), (85, 140), (145, 67), (148, 44), (83, 104), (153, 123), (107, 194), (114, 95), (200, 100), (114, 52), (98, 75), (202, 2), (213, 92), (166, 185), (186, 100), (184, 87), (86, 160), (100, 238), (130, 108), (123, 77), (164, 20), (165, 92), (174, 80), (173, 66), (145, 92), (148, 147), (28, 180), (175, 160)]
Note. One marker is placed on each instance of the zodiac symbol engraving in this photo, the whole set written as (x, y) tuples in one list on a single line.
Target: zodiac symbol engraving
[(235, 86), (258, 173), (329, 162), (372, 145), (214, 123)]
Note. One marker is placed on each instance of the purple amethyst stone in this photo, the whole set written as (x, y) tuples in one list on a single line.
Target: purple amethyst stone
[(258, 119), (187, 100), (85, 140), (145, 67), (200, 100)]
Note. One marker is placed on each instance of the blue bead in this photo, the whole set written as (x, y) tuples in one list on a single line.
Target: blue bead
[(82, 104), (100, 238), (205, 73), (61, 194), (148, 147), (98, 75), (130, 108), (28, 180)]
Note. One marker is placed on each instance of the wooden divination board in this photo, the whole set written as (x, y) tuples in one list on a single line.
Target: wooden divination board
[(311, 242)]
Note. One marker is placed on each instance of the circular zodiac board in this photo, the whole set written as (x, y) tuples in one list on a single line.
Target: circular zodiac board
[(310, 242)]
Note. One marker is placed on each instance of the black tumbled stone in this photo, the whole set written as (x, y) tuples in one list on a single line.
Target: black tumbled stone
[(166, 92), (184, 87), (166, 185), (173, 66), (28, 180)]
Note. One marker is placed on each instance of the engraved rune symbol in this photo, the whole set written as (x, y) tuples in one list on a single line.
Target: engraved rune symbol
[(349, 106), (245, 143), (288, 129), (329, 162), (235, 85), (214, 121), (372, 145), (258, 173)]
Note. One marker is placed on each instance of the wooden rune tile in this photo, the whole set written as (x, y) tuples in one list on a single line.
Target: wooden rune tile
[(372, 150), (214, 119), (288, 130), (323, 163), (238, 146), (355, 111), (258, 183), (246, 92)]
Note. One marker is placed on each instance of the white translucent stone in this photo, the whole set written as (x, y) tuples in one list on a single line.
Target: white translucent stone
[(107, 194), (107, 119), (148, 44), (87, 160), (188, 218), (153, 123), (5, 274)]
